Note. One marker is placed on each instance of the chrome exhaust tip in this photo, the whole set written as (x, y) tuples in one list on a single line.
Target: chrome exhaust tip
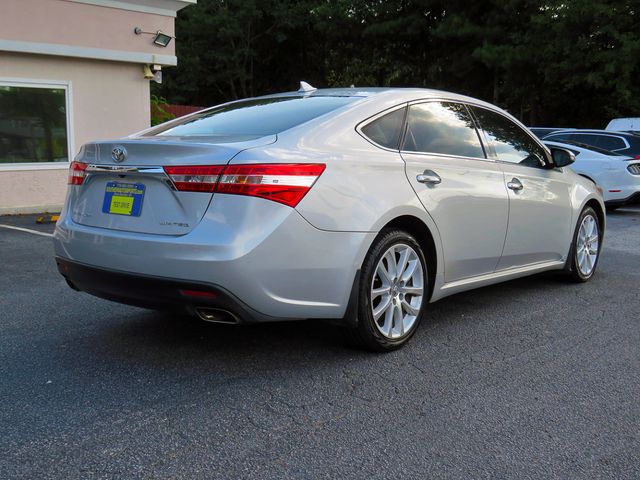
[(216, 315)]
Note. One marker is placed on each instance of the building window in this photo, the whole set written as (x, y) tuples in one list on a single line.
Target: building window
[(34, 126)]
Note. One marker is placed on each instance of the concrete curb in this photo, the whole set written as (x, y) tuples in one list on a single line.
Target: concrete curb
[(53, 208)]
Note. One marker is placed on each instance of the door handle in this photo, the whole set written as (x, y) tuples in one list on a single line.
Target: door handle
[(515, 185), (429, 177)]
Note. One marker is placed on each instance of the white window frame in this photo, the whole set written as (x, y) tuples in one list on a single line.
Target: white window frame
[(41, 83)]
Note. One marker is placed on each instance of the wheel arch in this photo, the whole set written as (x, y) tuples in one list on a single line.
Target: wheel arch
[(597, 207), (570, 266), (587, 177), (583, 195), (425, 239)]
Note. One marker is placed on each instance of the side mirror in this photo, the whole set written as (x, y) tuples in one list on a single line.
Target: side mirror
[(562, 157)]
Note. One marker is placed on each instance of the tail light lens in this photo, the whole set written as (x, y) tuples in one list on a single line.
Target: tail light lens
[(195, 178), (283, 183), (77, 173), (634, 168)]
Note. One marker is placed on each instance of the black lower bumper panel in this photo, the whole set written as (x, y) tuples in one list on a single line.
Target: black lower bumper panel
[(155, 292), (630, 200)]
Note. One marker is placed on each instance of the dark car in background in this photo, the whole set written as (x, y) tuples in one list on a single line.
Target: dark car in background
[(542, 132), (619, 142)]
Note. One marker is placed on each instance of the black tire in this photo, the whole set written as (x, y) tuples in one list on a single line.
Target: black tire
[(366, 334), (572, 268)]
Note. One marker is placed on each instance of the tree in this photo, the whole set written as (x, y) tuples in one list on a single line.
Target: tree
[(542, 57), (559, 62)]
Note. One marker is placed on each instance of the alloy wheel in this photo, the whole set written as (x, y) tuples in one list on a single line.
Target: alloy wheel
[(397, 291), (587, 244)]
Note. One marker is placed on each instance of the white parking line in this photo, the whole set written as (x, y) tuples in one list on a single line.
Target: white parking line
[(35, 232)]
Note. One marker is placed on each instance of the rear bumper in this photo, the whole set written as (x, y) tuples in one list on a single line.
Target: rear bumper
[(156, 292), (264, 255)]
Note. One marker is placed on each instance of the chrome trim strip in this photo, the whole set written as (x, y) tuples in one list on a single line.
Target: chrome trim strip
[(443, 289), (93, 170), (504, 274), (119, 169)]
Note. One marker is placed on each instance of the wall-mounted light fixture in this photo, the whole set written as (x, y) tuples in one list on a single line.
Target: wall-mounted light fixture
[(160, 39)]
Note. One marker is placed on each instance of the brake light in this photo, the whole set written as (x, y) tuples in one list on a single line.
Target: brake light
[(77, 173), (283, 183), (634, 168), (195, 178)]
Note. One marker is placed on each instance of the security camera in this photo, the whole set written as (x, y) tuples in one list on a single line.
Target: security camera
[(148, 74)]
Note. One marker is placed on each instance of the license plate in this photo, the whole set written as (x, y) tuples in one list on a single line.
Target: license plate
[(123, 199)]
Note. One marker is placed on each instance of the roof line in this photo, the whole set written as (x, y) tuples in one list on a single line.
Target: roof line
[(62, 50)]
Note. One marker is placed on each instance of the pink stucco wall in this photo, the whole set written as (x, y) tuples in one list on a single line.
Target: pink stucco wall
[(83, 25), (108, 100)]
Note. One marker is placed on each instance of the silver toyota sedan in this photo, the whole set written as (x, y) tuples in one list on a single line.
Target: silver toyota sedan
[(361, 205)]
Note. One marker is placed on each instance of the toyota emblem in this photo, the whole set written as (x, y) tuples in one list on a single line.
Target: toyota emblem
[(118, 154)]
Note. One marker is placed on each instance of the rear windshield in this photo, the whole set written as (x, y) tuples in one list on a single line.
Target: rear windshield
[(265, 116)]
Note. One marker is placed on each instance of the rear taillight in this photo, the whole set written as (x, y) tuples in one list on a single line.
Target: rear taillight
[(76, 173), (634, 168), (283, 183), (195, 178)]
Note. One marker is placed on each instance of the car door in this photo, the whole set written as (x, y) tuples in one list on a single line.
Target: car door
[(458, 185), (540, 214)]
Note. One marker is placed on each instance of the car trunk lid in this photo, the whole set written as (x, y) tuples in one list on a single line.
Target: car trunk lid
[(126, 188)]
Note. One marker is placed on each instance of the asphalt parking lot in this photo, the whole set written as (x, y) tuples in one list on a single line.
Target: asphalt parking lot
[(530, 379)]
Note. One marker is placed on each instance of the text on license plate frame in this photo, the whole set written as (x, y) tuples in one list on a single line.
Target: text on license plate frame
[(123, 199)]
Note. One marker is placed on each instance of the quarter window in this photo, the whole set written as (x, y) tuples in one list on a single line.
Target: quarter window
[(444, 128), (511, 143), (611, 143), (386, 130)]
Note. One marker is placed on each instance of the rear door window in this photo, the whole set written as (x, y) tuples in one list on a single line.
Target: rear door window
[(559, 137), (606, 142), (595, 140), (609, 142), (386, 130), (442, 128), (511, 143)]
